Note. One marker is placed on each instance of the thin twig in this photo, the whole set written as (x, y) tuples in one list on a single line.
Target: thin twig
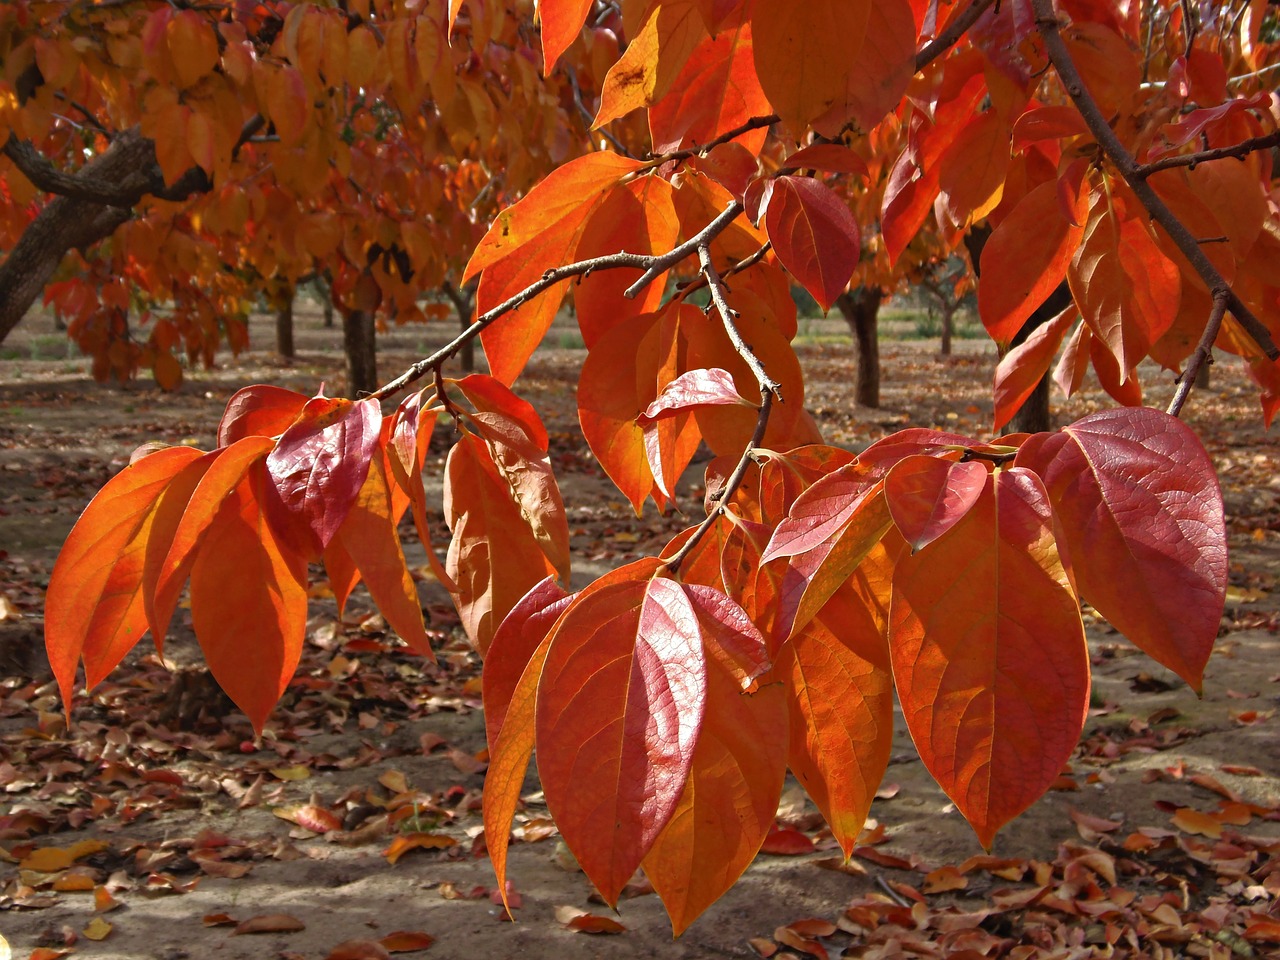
[(588, 117), (755, 123), (948, 38), (769, 389), (1241, 149), (1202, 353), (612, 261), (1127, 166), (660, 265)]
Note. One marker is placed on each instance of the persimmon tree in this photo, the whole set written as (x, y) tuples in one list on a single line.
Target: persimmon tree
[(667, 699), (166, 168)]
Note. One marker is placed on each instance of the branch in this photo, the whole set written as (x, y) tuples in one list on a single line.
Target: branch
[(1241, 149), (948, 37), (755, 123), (1202, 352), (769, 388), (1129, 168), (660, 265)]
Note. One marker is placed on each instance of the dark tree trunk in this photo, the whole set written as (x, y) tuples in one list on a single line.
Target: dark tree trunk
[(358, 329), (326, 300), (284, 326), (861, 310), (948, 327), (463, 302)]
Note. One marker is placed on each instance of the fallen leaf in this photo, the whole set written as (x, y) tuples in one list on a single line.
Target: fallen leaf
[(270, 923), (416, 841), (103, 901), (407, 941), (53, 859), (944, 879), (97, 929), (359, 950), (786, 843), (296, 772), (1193, 821)]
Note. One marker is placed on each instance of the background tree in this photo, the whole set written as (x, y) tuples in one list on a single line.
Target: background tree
[(667, 699)]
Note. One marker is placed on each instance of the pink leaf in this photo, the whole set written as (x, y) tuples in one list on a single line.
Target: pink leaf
[(814, 234)]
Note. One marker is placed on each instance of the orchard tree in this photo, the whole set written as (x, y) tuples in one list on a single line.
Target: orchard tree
[(667, 699), (182, 164)]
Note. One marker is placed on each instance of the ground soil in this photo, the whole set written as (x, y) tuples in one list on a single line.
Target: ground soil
[(188, 807)]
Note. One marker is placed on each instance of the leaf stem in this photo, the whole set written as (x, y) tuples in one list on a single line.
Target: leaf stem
[(1129, 168)]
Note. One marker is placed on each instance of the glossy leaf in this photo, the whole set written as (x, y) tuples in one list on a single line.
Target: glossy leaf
[(1137, 507), (989, 658), (814, 235), (319, 465), (620, 706), (927, 496), (94, 603)]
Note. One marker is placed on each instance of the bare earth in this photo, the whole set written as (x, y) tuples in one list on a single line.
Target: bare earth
[(156, 825)]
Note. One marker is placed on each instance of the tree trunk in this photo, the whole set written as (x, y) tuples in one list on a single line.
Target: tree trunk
[(326, 300), (463, 302), (948, 326), (284, 326), (861, 310), (358, 329)]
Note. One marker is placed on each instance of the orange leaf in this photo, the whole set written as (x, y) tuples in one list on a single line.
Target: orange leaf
[(259, 410), (804, 52), (840, 699), (562, 21), (494, 557), (619, 709), (407, 941), (878, 72), (653, 59), (368, 534), (728, 804), (989, 656), (193, 46), (416, 841), (1025, 258), (287, 104), (270, 923), (94, 604), (249, 601), (1027, 364)]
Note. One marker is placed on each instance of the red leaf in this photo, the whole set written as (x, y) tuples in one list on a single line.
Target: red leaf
[(270, 923), (1139, 512), (814, 235), (989, 656), (259, 410), (407, 941), (832, 157), (562, 21), (319, 466), (94, 605), (927, 496), (620, 706), (696, 388)]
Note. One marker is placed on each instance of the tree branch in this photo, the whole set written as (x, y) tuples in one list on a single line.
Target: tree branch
[(1128, 168), (948, 37), (1202, 353), (660, 265), (1241, 149), (769, 389)]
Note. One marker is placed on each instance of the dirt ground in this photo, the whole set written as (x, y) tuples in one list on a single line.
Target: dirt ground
[(157, 827)]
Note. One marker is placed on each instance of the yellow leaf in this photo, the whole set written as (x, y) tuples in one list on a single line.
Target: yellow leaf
[(98, 929), (53, 859), (290, 773)]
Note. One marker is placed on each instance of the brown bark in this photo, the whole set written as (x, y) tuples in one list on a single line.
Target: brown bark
[(948, 327), (284, 327), (861, 310), (463, 300), (358, 329)]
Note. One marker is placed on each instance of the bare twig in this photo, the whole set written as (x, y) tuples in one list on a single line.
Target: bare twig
[(948, 38), (1241, 149), (1128, 168), (755, 123), (1202, 353), (769, 389), (588, 117), (660, 265)]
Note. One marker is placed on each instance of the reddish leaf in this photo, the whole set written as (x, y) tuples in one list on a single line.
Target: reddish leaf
[(927, 496), (1027, 364), (407, 941), (270, 923), (1139, 512), (696, 388), (94, 604), (832, 157), (1025, 258), (520, 634), (814, 234), (319, 465), (249, 601), (728, 804), (259, 410), (787, 843), (730, 637), (989, 656), (620, 705), (878, 71), (416, 841), (359, 950), (562, 21)]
